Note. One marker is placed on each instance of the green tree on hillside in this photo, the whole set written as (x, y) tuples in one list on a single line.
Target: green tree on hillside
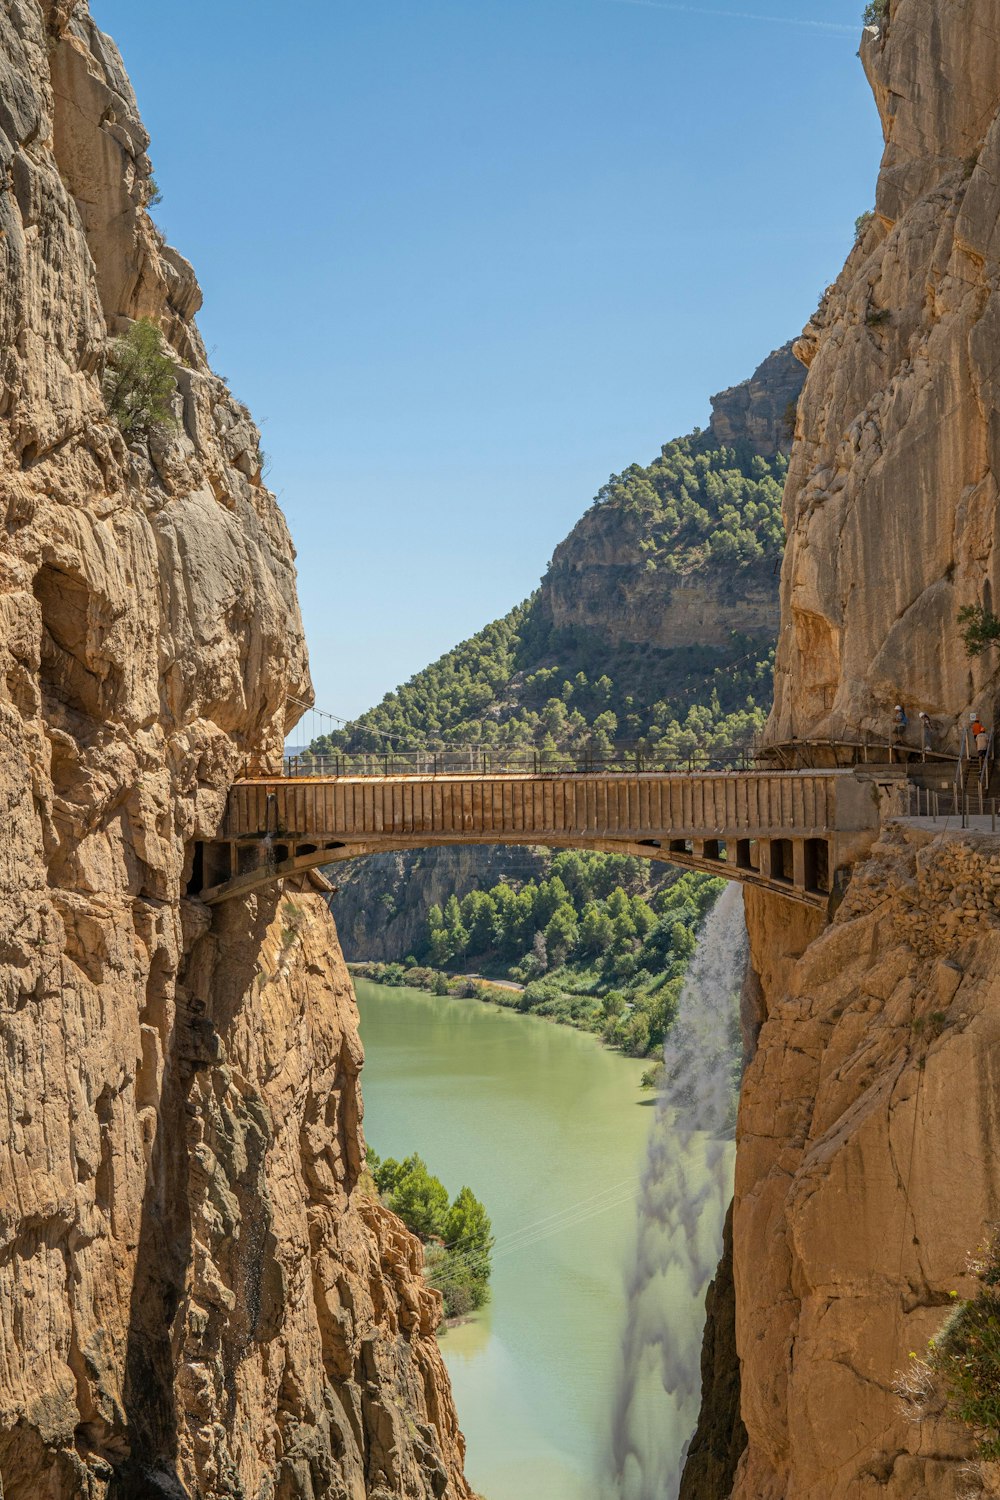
[(598, 924), (523, 683)]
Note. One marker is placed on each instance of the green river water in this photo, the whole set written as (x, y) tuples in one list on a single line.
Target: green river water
[(550, 1130)]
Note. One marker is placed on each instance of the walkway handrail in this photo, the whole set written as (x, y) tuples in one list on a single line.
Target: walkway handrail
[(478, 760), (963, 762), (986, 768), (864, 751), (625, 757)]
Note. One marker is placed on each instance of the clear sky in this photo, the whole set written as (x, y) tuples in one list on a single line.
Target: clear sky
[(465, 258)]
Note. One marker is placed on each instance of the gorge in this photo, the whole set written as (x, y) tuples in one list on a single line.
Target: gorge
[(199, 1294)]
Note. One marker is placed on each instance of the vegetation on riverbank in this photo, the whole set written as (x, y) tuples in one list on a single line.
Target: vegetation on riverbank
[(603, 944), (457, 1235)]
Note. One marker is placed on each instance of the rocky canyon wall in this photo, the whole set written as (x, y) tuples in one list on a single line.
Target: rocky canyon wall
[(196, 1296), (866, 1163), (891, 502), (866, 1171)]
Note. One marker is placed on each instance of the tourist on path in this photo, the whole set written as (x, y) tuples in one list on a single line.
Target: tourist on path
[(900, 724), (981, 737)]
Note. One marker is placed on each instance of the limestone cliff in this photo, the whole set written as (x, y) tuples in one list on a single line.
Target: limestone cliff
[(866, 1168), (891, 501), (598, 581), (195, 1298)]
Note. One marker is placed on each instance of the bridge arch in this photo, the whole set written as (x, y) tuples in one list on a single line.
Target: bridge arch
[(793, 833)]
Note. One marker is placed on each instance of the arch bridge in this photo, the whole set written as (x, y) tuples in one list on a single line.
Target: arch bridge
[(796, 833)]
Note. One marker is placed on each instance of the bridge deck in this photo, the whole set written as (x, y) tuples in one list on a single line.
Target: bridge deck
[(790, 831)]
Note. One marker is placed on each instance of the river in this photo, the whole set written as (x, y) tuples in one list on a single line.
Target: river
[(550, 1130)]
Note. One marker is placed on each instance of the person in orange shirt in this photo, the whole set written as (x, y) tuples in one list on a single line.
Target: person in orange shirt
[(981, 737)]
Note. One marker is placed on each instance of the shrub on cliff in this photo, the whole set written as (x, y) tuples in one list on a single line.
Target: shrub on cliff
[(139, 381), (981, 628), (960, 1375), (877, 13)]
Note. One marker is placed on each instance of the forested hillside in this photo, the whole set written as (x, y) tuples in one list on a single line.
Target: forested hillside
[(655, 623), (700, 520)]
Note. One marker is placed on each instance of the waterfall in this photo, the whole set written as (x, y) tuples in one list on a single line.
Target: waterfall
[(686, 1187)]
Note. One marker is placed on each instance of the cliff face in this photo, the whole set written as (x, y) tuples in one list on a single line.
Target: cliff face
[(866, 1174), (891, 503), (598, 580), (194, 1297), (761, 411)]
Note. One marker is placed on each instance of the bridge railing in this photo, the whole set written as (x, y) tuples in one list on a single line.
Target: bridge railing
[(624, 757), (478, 760)]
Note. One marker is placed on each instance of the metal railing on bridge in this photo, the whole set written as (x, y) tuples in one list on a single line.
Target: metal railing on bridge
[(627, 757), (817, 754), (481, 760)]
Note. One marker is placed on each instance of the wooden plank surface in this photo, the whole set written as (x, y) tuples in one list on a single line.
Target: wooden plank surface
[(591, 806)]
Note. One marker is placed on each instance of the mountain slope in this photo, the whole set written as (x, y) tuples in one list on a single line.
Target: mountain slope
[(656, 621)]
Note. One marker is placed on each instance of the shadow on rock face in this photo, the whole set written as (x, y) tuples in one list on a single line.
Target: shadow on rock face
[(137, 1482)]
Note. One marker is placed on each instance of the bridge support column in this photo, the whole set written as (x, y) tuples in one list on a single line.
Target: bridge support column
[(764, 858), (799, 863)]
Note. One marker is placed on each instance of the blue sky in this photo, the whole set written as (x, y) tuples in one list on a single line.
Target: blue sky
[(465, 258)]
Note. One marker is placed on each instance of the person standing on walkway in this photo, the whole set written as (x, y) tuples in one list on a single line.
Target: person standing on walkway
[(982, 741), (900, 724), (926, 731)]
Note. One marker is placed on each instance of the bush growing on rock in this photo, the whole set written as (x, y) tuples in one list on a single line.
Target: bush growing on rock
[(139, 381), (981, 628), (960, 1375), (877, 13)]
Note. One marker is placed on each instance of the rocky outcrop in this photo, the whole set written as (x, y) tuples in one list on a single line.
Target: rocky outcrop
[(601, 596), (598, 581), (891, 503), (303, 1348), (195, 1296), (865, 1171), (760, 412)]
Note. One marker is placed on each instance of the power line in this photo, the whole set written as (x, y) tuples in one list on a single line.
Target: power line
[(833, 28)]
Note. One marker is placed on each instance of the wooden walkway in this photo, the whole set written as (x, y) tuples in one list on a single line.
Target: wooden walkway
[(791, 832)]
